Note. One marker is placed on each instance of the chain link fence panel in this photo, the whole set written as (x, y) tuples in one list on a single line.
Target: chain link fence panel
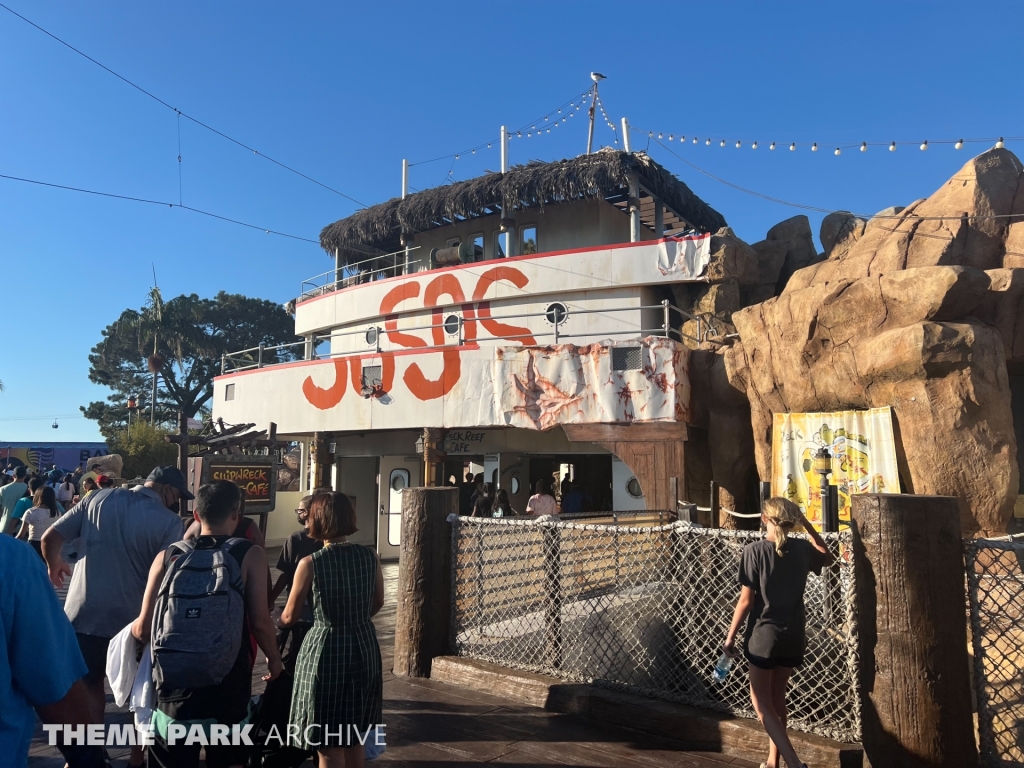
[(995, 592), (643, 607)]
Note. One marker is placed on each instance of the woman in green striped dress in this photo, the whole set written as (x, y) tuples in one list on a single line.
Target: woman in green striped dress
[(338, 689)]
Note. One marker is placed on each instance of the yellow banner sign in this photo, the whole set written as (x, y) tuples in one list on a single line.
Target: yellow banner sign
[(863, 456)]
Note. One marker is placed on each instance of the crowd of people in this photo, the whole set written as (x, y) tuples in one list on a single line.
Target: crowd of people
[(197, 605)]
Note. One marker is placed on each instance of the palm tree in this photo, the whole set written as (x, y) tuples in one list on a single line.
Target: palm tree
[(173, 323)]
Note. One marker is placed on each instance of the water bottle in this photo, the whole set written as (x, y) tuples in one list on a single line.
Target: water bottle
[(722, 668)]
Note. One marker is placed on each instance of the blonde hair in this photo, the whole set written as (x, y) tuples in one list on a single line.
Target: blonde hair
[(784, 515)]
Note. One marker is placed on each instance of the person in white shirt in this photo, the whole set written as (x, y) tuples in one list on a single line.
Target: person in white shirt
[(542, 502), (66, 491), (37, 520)]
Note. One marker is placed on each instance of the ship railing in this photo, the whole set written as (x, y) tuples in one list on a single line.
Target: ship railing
[(265, 356), (354, 273)]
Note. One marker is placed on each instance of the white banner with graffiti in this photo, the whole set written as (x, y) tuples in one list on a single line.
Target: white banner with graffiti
[(863, 456)]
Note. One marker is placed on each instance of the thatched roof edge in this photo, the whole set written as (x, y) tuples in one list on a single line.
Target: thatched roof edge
[(532, 185)]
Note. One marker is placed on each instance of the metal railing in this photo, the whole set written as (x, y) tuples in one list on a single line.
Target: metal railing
[(257, 357), (353, 274), (643, 608)]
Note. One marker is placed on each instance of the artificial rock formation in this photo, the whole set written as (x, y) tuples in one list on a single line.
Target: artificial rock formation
[(919, 309)]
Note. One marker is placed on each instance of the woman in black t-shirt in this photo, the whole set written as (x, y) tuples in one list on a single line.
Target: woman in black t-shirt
[(773, 574)]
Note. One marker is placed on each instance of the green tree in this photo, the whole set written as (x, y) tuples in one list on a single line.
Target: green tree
[(142, 448), (182, 338)]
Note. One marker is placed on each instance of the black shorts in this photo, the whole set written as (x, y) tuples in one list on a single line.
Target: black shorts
[(94, 651), (187, 756), (771, 663)]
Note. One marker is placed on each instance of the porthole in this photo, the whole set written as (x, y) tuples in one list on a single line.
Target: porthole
[(451, 325), (515, 484), (398, 482), (556, 313), (633, 488), (371, 336)]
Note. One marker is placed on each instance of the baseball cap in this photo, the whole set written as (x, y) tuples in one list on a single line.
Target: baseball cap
[(170, 476)]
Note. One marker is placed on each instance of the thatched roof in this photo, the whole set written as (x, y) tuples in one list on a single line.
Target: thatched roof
[(604, 174)]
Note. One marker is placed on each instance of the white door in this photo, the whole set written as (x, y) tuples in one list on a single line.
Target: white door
[(389, 532)]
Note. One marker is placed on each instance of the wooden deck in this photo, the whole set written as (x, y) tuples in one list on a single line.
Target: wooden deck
[(432, 724)]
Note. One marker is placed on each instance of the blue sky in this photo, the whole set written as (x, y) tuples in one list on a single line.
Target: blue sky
[(344, 91)]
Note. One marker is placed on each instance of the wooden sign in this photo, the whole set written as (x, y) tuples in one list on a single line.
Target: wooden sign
[(256, 476)]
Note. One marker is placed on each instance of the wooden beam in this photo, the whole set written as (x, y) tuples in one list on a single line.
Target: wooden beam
[(626, 433), (910, 594)]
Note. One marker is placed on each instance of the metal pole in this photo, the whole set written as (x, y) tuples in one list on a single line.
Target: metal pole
[(625, 135), (504, 151), (556, 327), (223, 363), (337, 268), (152, 405), (826, 517), (664, 309), (590, 129), (405, 178), (260, 362)]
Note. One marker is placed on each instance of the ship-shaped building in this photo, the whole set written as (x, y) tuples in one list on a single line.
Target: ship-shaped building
[(520, 325)]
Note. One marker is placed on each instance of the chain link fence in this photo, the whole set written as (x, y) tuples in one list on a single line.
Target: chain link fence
[(643, 606), (995, 592)]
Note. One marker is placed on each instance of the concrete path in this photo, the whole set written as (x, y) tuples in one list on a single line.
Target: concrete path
[(431, 724)]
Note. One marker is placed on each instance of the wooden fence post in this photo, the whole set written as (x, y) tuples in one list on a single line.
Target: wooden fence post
[(552, 597), (423, 613), (916, 693)]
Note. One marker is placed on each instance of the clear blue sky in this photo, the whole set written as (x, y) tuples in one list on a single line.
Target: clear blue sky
[(344, 91)]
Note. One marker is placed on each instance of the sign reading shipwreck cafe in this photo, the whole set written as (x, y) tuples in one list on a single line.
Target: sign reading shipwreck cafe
[(256, 476)]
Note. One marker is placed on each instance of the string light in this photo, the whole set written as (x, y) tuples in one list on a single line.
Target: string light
[(754, 145), (892, 147), (772, 147), (999, 144), (738, 145), (723, 142), (708, 142), (924, 145), (837, 152), (814, 147), (959, 144), (863, 146), (792, 147)]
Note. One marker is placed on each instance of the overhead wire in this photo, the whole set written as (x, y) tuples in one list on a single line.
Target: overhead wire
[(815, 208), (158, 202), (179, 112)]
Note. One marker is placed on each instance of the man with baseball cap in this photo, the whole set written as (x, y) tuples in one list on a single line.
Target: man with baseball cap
[(119, 532)]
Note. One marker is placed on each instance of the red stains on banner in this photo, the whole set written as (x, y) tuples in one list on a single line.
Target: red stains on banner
[(419, 385)]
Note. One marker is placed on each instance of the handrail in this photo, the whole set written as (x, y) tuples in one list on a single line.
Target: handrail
[(242, 360), (359, 276)]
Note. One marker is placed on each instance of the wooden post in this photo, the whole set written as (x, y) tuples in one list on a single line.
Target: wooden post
[(423, 615), (552, 597), (916, 706), (323, 460)]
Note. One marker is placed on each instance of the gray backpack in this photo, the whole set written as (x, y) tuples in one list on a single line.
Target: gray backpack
[(199, 616)]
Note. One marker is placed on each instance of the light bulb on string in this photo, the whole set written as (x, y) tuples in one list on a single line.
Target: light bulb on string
[(474, 151), (723, 143), (792, 147), (814, 147), (863, 146), (754, 145), (682, 139), (456, 157), (694, 139), (708, 142), (924, 145), (669, 136), (892, 147), (837, 152), (488, 146), (771, 146), (738, 144), (959, 144), (661, 135), (999, 144)]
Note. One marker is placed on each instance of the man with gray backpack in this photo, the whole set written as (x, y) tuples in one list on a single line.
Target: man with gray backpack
[(203, 598)]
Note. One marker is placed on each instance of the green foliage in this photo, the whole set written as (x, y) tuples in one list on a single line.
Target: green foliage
[(184, 337), (142, 448)]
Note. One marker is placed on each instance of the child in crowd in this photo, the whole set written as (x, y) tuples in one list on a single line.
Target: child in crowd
[(36, 521), (773, 574), (542, 502)]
